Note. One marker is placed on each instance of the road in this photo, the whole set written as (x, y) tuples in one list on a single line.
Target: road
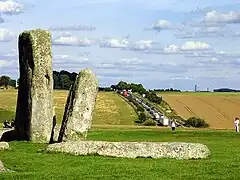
[(153, 112)]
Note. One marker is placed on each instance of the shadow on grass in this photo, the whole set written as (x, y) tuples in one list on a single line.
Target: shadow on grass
[(137, 122), (6, 115)]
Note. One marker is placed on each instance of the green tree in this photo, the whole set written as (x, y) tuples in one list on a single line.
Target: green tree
[(5, 81), (56, 81), (12, 83), (122, 85), (65, 82), (142, 117), (18, 81)]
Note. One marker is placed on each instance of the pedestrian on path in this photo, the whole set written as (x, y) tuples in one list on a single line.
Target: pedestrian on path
[(236, 123), (173, 125)]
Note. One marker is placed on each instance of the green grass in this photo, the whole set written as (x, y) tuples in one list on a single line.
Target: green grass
[(201, 93), (6, 115), (30, 163), (109, 109), (113, 110)]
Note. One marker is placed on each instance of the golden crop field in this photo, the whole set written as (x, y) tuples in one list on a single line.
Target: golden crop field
[(110, 109), (218, 109)]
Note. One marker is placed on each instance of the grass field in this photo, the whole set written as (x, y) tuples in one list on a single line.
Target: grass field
[(114, 121), (110, 108), (202, 93), (218, 109), (30, 163)]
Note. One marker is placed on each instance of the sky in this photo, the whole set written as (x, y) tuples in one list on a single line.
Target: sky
[(160, 44)]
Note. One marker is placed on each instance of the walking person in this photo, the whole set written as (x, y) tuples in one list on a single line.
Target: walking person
[(236, 123), (173, 125)]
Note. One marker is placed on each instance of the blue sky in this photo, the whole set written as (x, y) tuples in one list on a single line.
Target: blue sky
[(161, 44)]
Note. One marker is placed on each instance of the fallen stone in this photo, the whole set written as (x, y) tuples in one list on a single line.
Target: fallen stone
[(81, 100), (4, 145), (34, 111), (176, 150), (3, 169)]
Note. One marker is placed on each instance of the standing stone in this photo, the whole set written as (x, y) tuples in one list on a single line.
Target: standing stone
[(81, 100), (34, 112)]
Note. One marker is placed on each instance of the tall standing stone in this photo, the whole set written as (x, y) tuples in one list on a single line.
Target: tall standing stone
[(80, 104), (34, 112)]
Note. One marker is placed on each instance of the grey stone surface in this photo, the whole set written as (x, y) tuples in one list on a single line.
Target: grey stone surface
[(56, 132), (176, 150), (4, 145), (81, 100), (34, 111)]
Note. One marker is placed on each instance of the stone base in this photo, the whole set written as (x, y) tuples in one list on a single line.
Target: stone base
[(176, 150)]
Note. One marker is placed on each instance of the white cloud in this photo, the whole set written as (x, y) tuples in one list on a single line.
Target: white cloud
[(68, 39), (161, 25), (125, 44), (4, 63), (125, 64), (105, 65), (114, 43), (194, 45), (141, 45), (200, 10), (74, 28), (220, 17), (7, 63), (71, 41), (171, 48), (10, 7), (67, 59), (181, 78), (186, 47), (212, 24), (13, 53), (131, 61), (6, 35)]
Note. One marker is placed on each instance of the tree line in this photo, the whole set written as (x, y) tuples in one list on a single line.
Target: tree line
[(226, 90), (6, 81), (64, 79), (138, 88), (167, 90), (61, 80)]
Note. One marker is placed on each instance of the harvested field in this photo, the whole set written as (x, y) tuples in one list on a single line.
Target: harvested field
[(218, 110), (110, 109)]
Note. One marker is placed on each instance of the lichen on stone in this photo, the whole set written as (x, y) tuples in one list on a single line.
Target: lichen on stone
[(40, 82), (79, 107)]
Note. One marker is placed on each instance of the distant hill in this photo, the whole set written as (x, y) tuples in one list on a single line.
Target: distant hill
[(226, 90)]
